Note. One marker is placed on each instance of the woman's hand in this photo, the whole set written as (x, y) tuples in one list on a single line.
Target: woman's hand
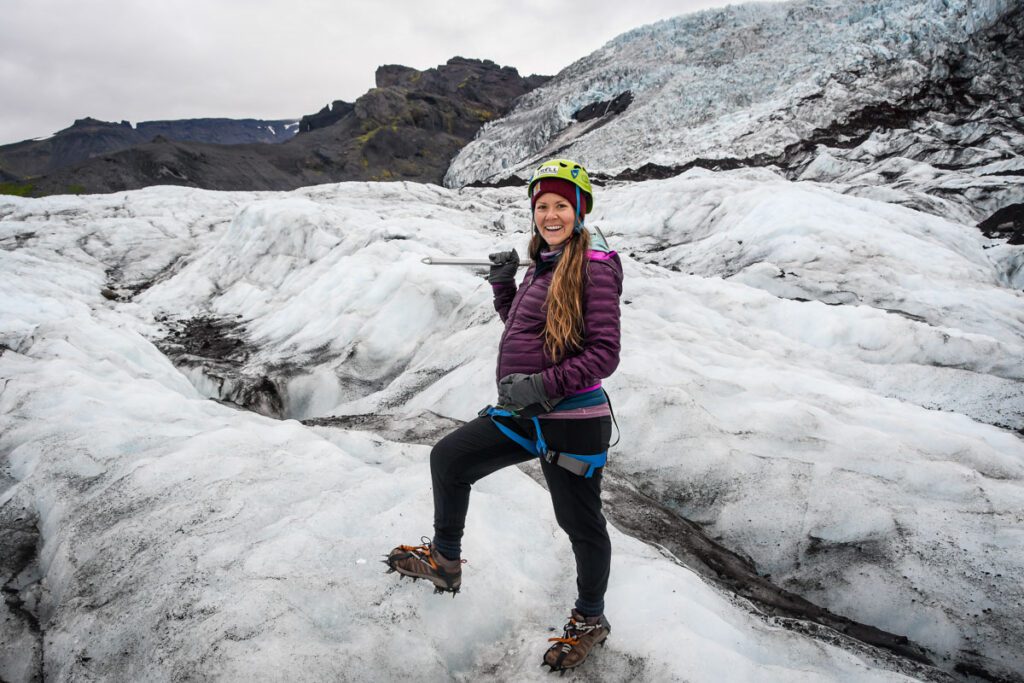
[(506, 263), (517, 391)]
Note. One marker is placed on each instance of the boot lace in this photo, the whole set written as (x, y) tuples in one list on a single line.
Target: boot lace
[(425, 552), (572, 632)]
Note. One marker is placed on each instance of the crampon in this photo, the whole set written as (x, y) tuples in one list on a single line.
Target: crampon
[(581, 634), (424, 562)]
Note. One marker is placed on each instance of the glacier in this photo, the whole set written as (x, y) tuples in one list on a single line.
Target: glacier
[(906, 101)]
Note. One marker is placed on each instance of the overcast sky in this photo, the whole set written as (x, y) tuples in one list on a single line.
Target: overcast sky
[(142, 60)]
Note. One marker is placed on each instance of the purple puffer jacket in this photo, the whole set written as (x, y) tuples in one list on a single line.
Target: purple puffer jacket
[(522, 343)]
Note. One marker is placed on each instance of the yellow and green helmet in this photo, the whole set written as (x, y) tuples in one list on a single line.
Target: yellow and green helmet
[(567, 170)]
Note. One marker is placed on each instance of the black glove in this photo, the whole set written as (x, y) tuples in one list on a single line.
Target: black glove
[(517, 391), (506, 263)]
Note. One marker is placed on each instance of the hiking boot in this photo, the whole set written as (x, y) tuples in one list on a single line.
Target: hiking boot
[(424, 562), (581, 635)]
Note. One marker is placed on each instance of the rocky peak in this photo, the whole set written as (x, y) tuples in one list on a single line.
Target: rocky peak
[(389, 75), (475, 80), (330, 114), (90, 122)]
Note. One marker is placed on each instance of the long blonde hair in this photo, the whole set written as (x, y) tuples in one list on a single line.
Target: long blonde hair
[(563, 331)]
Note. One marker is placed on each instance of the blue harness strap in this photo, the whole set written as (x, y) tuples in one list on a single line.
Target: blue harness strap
[(540, 448)]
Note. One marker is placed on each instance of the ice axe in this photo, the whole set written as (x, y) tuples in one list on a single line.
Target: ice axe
[(455, 261)]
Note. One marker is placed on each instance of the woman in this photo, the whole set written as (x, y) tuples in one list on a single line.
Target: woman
[(561, 339)]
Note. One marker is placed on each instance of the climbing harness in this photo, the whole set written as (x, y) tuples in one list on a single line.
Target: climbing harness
[(581, 465)]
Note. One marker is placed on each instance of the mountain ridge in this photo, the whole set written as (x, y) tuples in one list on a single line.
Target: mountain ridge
[(88, 137), (408, 127)]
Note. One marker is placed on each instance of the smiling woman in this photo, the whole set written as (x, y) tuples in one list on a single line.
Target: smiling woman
[(555, 218), (561, 339)]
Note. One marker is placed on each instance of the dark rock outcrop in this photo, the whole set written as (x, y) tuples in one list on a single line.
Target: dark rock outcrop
[(220, 131), (407, 128), (89, 138), (1006, 222), (609, 108), (85, 138), (330, 114)]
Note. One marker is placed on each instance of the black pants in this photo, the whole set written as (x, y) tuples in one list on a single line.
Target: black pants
[(477, 449)]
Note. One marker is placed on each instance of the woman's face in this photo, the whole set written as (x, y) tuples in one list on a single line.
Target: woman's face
[(554, 217)]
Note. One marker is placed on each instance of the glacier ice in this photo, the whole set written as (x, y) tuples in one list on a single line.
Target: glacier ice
[(829, 91), (837, 404)]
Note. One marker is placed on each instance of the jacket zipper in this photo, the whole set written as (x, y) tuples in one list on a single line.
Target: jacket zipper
[(511, 316)]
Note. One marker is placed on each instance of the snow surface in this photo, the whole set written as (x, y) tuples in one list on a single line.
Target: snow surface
[(857, 445)]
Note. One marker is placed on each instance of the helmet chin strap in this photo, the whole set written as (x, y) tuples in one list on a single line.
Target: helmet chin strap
[(577, 228)]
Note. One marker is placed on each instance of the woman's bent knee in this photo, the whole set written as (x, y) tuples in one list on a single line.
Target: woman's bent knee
[(440, 460)]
